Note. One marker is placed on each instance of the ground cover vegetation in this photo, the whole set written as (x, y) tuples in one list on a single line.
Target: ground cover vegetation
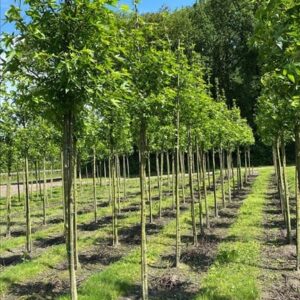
[(127, 144)]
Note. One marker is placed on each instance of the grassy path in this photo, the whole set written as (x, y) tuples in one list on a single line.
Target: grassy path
[(234, 274), (121, 278)]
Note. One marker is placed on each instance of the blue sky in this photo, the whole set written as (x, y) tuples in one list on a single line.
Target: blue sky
[(145, 6)]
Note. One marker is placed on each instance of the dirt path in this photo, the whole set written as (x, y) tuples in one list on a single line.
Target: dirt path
[(33, 187), (280, 281)]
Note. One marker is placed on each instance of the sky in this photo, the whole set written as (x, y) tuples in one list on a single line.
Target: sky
[(144, 6)]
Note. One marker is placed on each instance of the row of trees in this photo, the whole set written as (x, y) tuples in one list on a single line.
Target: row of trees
[(278, 118), (109, 82)]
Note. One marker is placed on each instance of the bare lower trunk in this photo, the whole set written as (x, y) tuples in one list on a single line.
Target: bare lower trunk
[(203, 165), (8, 203), (149, 190), (222, 176), (27, 209), (124, 178), (190, 154), (44, 191), (229, 175), (214, 182), (94, 185), (286, 195), (114, 201), (198, 163), (68, 149), (182, 167), (158, 184), (144, 272)]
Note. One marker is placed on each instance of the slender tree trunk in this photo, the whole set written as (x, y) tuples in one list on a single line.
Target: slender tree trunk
[(199, 190), (168, 171), (158, 183), (76, 259), (68, 148), (297, 150), (208, 169), (100, 172), (149, 190), (246, 167), (27, 208), (214, 182), (51, 180), (124, 178), (8, 202), (18, 184), (229, 175), (94, 185), (222, 176), (44, 191), (118, 172), (240, 181), (63, 193), (182, 175), (144, 272), (110, 179), (281, 183), (128, 172), (162, 174), (173, 180), (286, 195), (190, 154), (203, 165), (104, 170), (114, 201)]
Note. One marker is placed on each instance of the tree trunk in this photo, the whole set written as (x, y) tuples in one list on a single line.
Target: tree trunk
[(173, 180), (208, 169), (182, 175), (44, 191), (229, 175), (158, 183), (144, 272), (162, 174), (203, 165), (68, 148), (297, 150), (198, 162), (239, 172), (27, 209), (168, 171), (124, 178), (246, 167), (8, 202), (76, 259), (118, 172), (51, 180), (18, 183), (104, 170), (190, 154), (149, 190), (94, 185), (128, 173), (286, 195), (222, 176), (114, 200), (214, 182), (110, 179)]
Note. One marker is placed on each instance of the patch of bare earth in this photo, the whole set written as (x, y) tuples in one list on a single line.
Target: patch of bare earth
[(279, 279), (167, 282)]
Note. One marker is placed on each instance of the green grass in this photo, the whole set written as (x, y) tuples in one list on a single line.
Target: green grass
[(234, 274), (54, 255), (121, 278)]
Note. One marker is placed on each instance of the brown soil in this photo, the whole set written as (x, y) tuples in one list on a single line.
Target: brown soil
[(280, 281)]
